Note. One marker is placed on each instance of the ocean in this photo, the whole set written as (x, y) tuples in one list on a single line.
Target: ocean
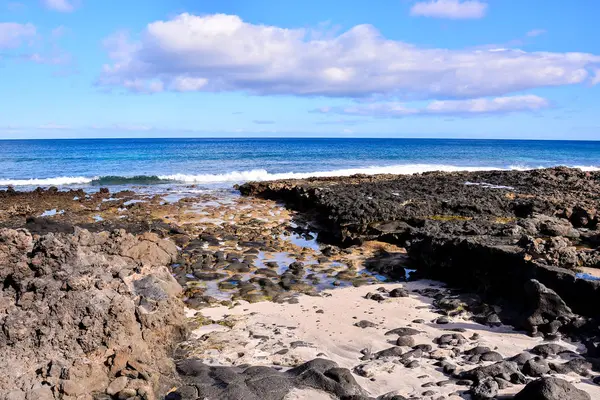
[(220, 163)]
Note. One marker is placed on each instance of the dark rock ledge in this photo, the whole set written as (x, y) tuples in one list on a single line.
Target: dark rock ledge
[(518, 238)]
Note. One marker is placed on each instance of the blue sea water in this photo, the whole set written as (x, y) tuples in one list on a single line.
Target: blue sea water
[(222, 162)]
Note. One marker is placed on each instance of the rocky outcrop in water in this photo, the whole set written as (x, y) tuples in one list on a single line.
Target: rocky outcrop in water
[(87, 313)]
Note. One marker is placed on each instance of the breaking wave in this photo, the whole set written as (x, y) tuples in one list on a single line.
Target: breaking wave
[(251, 175), (58, 181)]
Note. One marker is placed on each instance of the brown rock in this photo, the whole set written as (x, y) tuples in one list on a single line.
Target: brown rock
[(71, 388), (119, 362), (117, 385)]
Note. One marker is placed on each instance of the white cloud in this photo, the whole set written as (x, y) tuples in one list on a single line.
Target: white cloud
[(596, 78), (58, 32), (187, 84), (224, 53), (123, 127), (59, 5), (536, 32), (52, 58), (54, 127), (451, 9), (471, 107), (39, 49), (13, 34), (486, 106)]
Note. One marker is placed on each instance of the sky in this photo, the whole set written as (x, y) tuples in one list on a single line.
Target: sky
[(387, 68)]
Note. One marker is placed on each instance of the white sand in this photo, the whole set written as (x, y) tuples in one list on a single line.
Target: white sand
[(264, 328)]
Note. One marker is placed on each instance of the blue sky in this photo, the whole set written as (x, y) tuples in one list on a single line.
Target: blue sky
[(397, 68)]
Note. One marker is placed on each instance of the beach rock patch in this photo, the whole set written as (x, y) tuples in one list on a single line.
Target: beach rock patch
[(263, 383)]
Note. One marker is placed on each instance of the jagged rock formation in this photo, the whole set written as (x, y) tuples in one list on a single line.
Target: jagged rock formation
[(87, 313)]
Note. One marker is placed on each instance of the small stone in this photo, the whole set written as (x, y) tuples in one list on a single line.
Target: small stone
[(403, 332), (493, 320), (127, 393), (390, 352), (119, 362), (399, 292), (521, 358), (536, 367), (365, 324), (486, 389), (440, 354), (407, 341), (478, 350), (448, 368), (443, 320), (117, 385), (426, 348), (131, 374), (71, 388), (491, 356), (548, 349), (299, 343), (502, 383), (374, 296)]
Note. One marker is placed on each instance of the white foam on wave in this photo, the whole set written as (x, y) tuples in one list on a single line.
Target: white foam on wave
[(527, 168), (58, 181), (263, 175)]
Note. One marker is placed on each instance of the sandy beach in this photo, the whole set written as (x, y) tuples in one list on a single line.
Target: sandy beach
[(325, 326)]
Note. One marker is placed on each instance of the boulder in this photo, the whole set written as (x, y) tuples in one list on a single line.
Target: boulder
[(551, 389), (543, 307), (486, 389)]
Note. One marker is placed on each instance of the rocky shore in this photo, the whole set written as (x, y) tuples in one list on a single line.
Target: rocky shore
[(526, 241), (492, 232), (433, 286)]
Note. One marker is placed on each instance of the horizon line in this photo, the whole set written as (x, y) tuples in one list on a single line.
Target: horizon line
[(301, 137)]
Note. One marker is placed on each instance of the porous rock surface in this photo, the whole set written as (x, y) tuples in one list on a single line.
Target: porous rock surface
[(551, 388), (87, 314)]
